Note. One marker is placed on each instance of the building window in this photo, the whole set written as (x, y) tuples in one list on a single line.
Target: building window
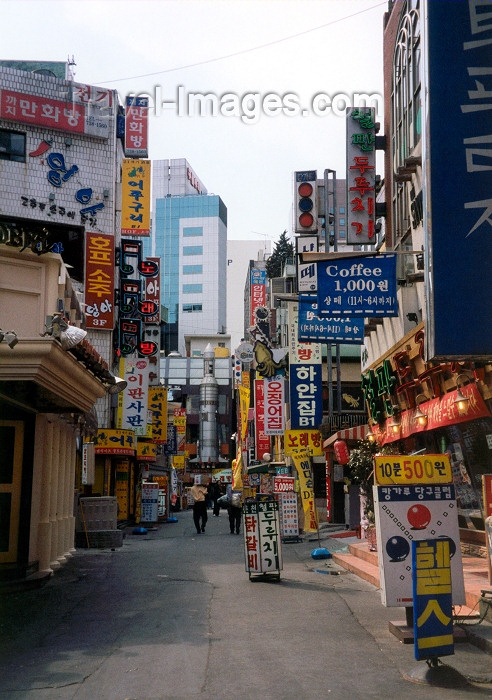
[(341, 233), (193, 250), (192, 269), (341, 222), (191, 308), (12, 146), (193, 231), (341, 210), (192, 288)]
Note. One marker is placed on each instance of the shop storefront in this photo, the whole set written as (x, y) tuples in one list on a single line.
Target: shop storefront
[(440, 408)]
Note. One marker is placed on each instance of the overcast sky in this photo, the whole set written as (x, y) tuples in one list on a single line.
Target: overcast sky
[(290, 50)]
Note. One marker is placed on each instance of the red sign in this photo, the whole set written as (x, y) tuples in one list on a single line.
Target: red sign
[(262, 441), (99, 280), (258, 298), (440, 412), (282, 484), (42, 111), (136, 127)]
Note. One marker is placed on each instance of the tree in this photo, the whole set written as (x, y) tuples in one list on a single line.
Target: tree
[(283, 249)]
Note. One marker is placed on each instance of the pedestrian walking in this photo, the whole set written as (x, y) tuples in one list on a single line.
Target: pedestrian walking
[(200, 517), (215, 494), (234, 509)]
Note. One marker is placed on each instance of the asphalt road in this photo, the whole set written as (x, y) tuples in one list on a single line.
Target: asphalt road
[(174, 615)]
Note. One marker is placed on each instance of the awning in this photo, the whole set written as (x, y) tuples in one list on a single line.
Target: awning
[(358, 432)]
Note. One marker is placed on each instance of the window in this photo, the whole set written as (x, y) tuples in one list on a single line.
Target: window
[(12, 146), (192, 269), (341, 222), (341, 210), (190, 308), (342, 234), (193, 231), (193, 250), (192, 289)]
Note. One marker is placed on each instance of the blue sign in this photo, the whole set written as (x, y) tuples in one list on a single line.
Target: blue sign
[(432, 604), (306, 397), (457, 167), (322, 329), (364, 286)]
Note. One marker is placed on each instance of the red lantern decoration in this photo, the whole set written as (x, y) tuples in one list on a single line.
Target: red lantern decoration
[(341, 451)]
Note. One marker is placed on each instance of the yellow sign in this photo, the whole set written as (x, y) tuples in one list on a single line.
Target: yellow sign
[(179, 461), (416, 469), (308, 440), (135, 197), (244, 394), (146, 451), (158, 410), (302, 463)]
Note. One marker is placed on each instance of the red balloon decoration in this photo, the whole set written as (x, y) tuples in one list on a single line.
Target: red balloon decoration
[(341, 451)]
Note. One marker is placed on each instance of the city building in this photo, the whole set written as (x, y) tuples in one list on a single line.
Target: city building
[(189, 235), (59, 164), (436, 353)]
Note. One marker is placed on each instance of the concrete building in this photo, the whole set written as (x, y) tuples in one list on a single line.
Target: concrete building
[(59, 165), (189, 235)]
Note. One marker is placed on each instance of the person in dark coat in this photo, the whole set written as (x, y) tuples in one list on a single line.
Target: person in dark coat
[(234, 508)]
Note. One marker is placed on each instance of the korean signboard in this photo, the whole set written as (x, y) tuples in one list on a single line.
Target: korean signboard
[(133, 400), (158, 413), (361, 175), (274, 402), (306, 399), (432, 598), (146, 451), (149, 502), (457, 228), (262, 545), (136, 127), (302, 463), (306, 272), (315, 328), (363, 286), (54, 114), (99, 280), (257, 293), (308, 440), (135, 197), (300, 352), (262, 441), (408, 513), (115, 442)]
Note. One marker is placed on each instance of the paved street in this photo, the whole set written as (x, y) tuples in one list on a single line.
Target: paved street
[(174, 615)]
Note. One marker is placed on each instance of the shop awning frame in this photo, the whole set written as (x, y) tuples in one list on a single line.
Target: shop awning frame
[(357, 432)]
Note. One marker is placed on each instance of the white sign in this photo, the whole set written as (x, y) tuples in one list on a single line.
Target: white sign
[(274, 406), (150, 502), (407, 513)]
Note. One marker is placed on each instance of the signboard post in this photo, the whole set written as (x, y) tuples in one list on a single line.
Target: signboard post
[(262, 544)]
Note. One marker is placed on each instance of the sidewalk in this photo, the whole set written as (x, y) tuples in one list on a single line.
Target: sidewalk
[(473, 622)]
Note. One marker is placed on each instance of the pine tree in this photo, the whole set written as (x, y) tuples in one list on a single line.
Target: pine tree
[(283, 249)]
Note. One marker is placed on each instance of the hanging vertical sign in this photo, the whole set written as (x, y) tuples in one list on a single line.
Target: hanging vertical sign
[(274, 406), (302, 463), (432, 599), (361, 175), (136, 127), (135, 197), (99, 280), (257, 293), (133, 404), (306, 272), (457, 228), (158, 412), (262, 441)]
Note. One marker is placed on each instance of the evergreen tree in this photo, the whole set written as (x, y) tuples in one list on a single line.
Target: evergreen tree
[(283, 249)]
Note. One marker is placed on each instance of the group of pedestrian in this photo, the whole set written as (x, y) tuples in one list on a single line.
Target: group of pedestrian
[(204, 497)]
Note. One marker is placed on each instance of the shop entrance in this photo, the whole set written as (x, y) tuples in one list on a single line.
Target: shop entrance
[(11, 446)]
